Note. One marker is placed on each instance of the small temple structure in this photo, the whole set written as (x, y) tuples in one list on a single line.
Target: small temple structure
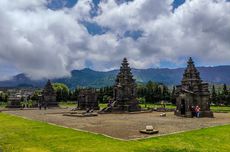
[(18, 97), (87, 99), (124, 91), (192, 92), (14, 101), (49, 97)]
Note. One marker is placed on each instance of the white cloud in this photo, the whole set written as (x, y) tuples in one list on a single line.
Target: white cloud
[(45, 43), (130, 16), (38, 41), (198, 28)]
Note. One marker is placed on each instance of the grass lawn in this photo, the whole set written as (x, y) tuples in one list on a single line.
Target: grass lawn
[(74, 104), (213, 108), (149, 105), (18, 134), (220, 108), (67, 104)]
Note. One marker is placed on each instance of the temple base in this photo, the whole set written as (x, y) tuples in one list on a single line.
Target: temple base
[(14, 105), (52, 104), (115, 107), (86, 108)]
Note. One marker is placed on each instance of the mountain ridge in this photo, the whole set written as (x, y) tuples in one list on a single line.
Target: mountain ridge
[(91, 78)]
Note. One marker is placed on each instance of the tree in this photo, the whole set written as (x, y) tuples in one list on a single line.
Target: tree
[(149, 92), (36, 94), (62, 91), (75, 93), (172, 97), (3, 97), (104, 94), (226, 95), (141, 91), (165, 95), (214, 95)]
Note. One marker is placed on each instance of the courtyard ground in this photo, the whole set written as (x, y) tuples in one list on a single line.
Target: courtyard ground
[(124, 126)]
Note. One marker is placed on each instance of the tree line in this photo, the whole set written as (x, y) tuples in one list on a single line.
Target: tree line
[(151, 92), (221, 96)]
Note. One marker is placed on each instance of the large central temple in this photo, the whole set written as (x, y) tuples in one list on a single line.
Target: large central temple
[(192, 92), (124, 92)]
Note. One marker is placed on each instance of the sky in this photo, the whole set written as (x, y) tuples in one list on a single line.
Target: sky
[(49, 38)]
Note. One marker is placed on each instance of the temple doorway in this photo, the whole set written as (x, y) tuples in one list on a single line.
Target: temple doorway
[(182, 107)]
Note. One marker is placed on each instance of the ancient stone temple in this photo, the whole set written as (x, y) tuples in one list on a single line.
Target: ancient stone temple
[(18, 97), (192, 92), (49, 96), (14, 99), (124, 92), (87, 99)]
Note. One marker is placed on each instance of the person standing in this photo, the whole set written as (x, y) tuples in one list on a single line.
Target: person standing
[(45, 106), (39, 106), (193, 111), (197, 109)]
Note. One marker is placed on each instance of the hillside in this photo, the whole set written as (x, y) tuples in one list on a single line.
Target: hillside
[(91, 78)]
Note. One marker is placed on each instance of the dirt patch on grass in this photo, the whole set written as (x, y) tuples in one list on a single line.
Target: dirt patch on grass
[(124, 126)]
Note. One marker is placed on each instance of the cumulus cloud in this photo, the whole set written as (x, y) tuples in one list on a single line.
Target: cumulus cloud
[(41, 42), (198, 28), (45, 43)]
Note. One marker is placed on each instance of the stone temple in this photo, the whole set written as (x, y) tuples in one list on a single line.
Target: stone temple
[(87, 99), (49, 96), (124, 91), (192, 92)]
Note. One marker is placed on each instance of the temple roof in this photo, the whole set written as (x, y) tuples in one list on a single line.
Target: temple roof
[(48, 89), (191, 74), (191, 81), (125, 74)]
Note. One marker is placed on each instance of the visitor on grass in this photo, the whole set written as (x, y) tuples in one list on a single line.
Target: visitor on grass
[(197, 109)]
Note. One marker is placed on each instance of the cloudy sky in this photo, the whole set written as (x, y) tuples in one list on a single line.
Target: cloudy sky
[(49, 38)]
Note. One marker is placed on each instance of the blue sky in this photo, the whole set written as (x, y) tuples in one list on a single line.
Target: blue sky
[(92, 27), (58, 4)]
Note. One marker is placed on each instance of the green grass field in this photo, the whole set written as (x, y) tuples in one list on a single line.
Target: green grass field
[(148, 105), (67, 104), (103, 105), (220, 108), (21, 135)]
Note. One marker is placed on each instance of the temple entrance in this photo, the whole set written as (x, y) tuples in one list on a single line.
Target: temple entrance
[(182, 107)]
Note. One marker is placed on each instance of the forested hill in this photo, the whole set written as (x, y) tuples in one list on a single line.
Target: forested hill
[(91, 78)]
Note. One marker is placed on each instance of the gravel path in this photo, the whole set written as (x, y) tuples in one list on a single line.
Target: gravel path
[(124, 126)]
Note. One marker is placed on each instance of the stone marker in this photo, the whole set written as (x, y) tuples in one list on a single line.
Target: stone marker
[(163, 115), (149, 130)]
